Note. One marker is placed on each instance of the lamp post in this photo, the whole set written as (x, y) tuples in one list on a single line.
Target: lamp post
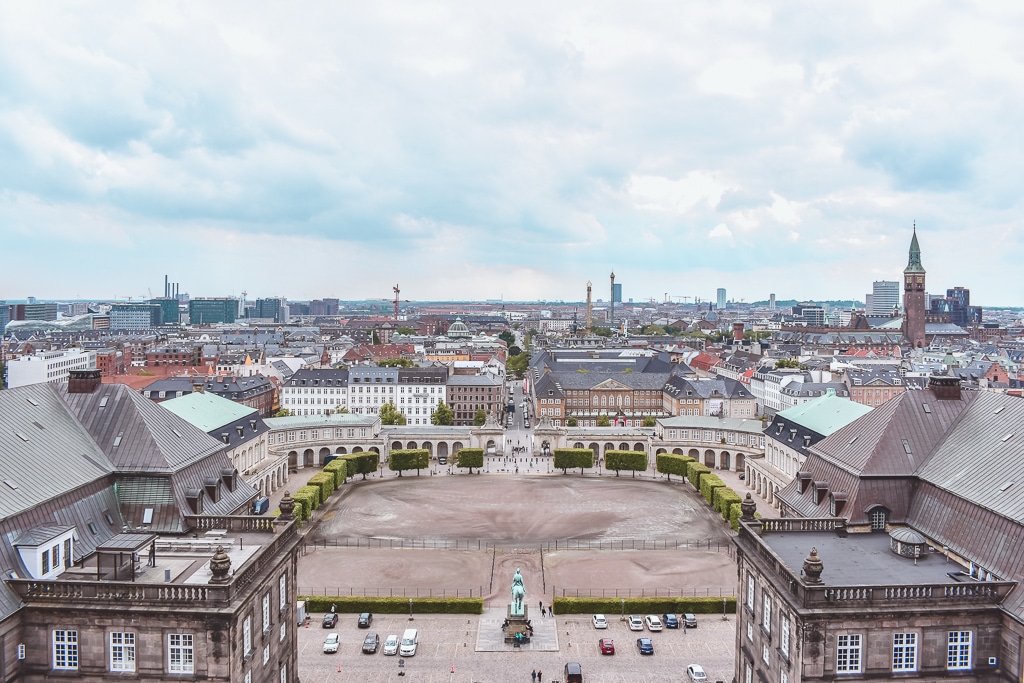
[(410, 608), (623, 609), (724, 618)]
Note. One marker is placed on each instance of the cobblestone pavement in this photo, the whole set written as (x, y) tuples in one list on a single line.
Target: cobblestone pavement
[(448, 641)]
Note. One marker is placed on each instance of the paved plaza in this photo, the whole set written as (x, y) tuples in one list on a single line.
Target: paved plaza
[(467, 535)]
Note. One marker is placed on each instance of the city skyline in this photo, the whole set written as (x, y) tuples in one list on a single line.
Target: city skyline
[(510, 154)]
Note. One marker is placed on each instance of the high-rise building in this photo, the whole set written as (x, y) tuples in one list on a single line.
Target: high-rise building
[(212, 311), (957, 307), (5, 316), (169, 307), (136, 316), (721, 298), (885, 297), (771, 301), (913, 297), (269, 309)]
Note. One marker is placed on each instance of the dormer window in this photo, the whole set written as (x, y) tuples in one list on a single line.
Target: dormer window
[(820, 489)]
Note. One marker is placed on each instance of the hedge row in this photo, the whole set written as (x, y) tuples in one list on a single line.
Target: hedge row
[(573, 457), (635, 461), (339, 468), (363, 463), (470, 457), (724, 499), (325, 482), (653, 605), (393, 605), (694, 471), (403, 459), (708, 484)]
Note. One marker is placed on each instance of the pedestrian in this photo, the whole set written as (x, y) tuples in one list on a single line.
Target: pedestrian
[(540, 676), (533, 675), (540, 605), (542, 612)]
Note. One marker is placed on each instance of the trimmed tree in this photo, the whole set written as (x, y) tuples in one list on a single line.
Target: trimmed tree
[(364, 462), (480, 419), (573, 457), (400, 460), (571, 422), (649, 421), (470, 457), (625, 460), (671, 463)]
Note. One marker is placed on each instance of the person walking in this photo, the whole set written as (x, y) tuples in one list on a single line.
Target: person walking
[(540, 676), (533, 676)]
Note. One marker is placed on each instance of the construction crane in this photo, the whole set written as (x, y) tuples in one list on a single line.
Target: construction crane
[(396, 301)]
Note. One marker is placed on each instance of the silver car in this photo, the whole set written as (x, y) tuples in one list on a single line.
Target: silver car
[(600, 621), (636, 623), (391, 645), (331, 643)]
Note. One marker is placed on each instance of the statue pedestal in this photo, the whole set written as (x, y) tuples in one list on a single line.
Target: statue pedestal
[(516, 627)]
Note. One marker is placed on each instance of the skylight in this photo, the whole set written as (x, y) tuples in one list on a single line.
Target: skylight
[(1007, 437), (11, 485), (1000, 409), (33, 402), (927, 408), (1005, 487)]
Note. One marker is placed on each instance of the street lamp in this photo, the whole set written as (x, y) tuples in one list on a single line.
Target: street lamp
[(724, 618), (410, 608), (623, 609)]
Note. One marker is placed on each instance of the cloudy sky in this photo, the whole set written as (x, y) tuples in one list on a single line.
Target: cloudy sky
[(484, 150)]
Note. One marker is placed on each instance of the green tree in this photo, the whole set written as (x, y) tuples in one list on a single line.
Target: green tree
[(480, 419), (442, 415), (406, 330), (470, 457), (571, 422), (786, 363), (517, 365), (283, 412), (601, 331), (395, 363), (340, 409), (654, 330), (670, 463), (3, 370), (514, 351), (507, 337), (375, 338), (649, 421), (364, 462), (389, 415), (603, 421)]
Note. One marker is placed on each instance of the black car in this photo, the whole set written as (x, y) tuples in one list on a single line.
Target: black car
[(365, 619), (330, 620), (370, 643)]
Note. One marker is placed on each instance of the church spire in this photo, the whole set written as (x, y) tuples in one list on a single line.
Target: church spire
[(914, 262)]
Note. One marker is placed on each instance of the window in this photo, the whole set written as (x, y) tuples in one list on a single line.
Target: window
[(783, 677), (749, 676), (180, 657), (766, 654), (248, 676), (784, 636), (284, 673), (122, 651), (282, 588), (266, 652), (879, 516), (848, 654), (750, 592), (45, 559), (958, 650), (284, 632), (266, 612), (65, 649), (766, 615), (247, 636), (750, 631), (904, 652)]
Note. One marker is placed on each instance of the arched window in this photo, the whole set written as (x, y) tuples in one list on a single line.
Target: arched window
[(879, 517)]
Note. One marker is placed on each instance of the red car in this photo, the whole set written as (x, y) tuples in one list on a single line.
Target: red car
[(607, 646)]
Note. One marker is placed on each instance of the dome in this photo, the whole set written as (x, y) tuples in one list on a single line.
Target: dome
[(907, 542), (459, 329), (905, 535)]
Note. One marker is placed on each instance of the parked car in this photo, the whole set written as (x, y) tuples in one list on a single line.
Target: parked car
[(695, 672), (606, 646), (365, 619), (653, 622), (670, 620), (391, 645), (573, 672), (599, 621), (330, 620), (645, 646), (331, 643), (690, 620), (636, 623), (442, 460), (370, 643)]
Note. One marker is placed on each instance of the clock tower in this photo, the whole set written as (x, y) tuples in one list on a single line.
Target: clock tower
[(913, 297)]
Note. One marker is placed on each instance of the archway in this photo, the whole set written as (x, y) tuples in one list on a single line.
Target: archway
[(307, 457), (411, 445), (725, 459), (396, 445), (608, 447), (456, 447), (741, 461), (357, 449), (324, 452), (490, 448), (578, 444), (341, 450), (442, 449), (429, 446), (595, 449), (623, 446), (375, 450), (660, 451), (709, 458), (639, 447), (677, 451), (695, 454), (293, 461)]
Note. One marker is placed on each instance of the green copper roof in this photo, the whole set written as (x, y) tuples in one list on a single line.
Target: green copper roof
[(914, 262), (207, 411), (825, 414)]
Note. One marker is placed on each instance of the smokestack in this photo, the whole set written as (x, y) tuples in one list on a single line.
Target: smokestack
[(945, 387), (588, 307), (166, 290), (737, 333), (84, 381)]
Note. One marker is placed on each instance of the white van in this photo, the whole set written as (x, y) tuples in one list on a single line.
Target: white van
[(410, 639)]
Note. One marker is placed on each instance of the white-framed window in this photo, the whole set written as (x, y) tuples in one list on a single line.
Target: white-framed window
[(282, 587), (180, 653), (266, 612), (122, 651), (750, 592), (904, 652), (266, 654), (784, 635), (783, 677), (247, 636), (284, 631), (766, 653), (958, 650), (248, 676), (284, 673), (749, 676), (848, 653), (65, 649), (766, 615), (750, 631)]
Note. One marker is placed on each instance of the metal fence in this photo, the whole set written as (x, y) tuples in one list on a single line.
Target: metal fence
[(645, 592), (546, 546), (335, 591)]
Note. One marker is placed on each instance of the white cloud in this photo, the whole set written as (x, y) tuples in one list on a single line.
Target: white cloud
[(655, 193), (721, 232)]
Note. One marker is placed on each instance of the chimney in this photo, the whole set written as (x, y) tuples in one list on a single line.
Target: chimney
[(737, 333), (84, 381), (945, 387)]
